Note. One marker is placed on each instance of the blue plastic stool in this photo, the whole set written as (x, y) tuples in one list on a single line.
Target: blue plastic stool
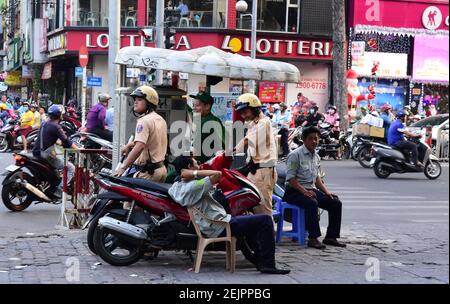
[(298, 232)]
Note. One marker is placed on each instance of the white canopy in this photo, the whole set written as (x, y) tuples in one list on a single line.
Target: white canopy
[(209, 61)]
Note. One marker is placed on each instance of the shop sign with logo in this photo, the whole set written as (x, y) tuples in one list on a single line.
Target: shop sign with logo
[(272, 92), (27, 72), (14, 78), (57, 45), (47, 72)]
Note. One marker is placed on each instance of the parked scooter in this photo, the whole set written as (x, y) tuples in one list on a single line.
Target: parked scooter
[(11, 140), (389, 160), (121, 237)]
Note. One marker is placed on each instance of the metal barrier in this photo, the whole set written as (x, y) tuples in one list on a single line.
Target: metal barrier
[(442, 146), (78, 197)]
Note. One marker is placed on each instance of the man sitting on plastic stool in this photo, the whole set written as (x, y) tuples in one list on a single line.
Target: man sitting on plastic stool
[(304, 188)]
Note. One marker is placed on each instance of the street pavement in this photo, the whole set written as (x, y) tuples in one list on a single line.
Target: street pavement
[(397, 231)]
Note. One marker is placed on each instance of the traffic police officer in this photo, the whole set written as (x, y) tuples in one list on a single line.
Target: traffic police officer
[(149, 148), (262, 149)]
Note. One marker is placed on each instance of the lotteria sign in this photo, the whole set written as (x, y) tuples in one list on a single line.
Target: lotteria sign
[(95, 41), (430, 15), (266, 46)]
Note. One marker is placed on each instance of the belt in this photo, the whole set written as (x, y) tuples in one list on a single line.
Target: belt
[(150, 167)]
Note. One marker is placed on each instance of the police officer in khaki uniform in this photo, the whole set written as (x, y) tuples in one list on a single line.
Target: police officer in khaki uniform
[(262, 149), (149, 148)]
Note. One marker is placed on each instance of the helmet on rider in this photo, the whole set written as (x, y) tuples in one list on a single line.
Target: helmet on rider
[(386, 107), (54, 112), (401, 114)]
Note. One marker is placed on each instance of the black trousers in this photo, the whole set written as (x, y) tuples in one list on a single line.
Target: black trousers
[(408, 147), (259, 232), (284, 141), (312, 205), (103, 133)]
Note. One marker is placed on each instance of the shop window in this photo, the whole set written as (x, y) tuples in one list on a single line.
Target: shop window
[(193, 13), (95, 13), (272, 15)]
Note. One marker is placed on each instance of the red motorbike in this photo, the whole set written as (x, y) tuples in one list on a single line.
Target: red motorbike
[(155, 222), (70, 122)]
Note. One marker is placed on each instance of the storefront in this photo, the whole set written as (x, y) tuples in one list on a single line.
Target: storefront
[(405, 58), (313, 57)]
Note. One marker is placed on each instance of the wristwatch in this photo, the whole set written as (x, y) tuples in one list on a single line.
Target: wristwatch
[(196, 173)]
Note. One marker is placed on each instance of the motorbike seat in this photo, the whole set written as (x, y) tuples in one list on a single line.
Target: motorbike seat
[(38, 159), (147, 185)]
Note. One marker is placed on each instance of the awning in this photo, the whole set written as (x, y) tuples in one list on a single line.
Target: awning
[(209, 61)]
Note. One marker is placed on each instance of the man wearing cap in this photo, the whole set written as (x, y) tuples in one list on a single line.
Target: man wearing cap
[(209, 132), (262, 149), (95, 122), (148, 151)]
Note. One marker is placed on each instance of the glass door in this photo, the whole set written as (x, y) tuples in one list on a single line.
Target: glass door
[(292, 16)]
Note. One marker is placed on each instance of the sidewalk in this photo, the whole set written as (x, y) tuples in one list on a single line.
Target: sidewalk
[(48, 258)]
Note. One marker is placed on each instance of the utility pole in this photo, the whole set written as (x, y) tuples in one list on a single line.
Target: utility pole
[(114, 72), (252, 83), (159, 36), (340, 61)]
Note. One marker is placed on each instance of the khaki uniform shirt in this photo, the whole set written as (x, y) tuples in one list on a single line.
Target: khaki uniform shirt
[(261, 142), (152, 131)]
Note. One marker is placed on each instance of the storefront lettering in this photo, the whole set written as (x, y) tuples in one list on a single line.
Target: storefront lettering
[(432, 18), (57, 43), (373, 12), (274, 46), (102, 40), (184, 41)]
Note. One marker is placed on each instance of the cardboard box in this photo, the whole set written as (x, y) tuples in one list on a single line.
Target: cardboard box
[(377, 132), (361, 130)]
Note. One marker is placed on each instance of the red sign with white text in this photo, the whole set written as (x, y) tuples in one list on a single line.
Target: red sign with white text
[(272, 91), (432, 15), (267, 46)]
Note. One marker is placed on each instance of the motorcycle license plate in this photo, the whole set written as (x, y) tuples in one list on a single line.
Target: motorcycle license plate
[(12, 168), (372, 162)]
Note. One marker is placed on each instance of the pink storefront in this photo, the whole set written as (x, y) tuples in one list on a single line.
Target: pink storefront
[(401, 47)]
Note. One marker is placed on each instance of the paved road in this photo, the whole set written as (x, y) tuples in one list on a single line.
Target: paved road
[(402, 222)]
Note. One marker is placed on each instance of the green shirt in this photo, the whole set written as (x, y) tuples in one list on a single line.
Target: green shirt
[(208, 130)]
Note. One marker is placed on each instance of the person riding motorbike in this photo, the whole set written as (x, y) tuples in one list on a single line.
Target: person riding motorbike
[(282, 120), (262, 149), (396, 138), (26, 125), (313, 118), (332, 118), (45, 146), (96, 118), (149, 148)]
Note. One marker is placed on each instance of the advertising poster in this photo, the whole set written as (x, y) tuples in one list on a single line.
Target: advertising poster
[(314, 85), (273, 92), (387, 91), (223, 106), (431, 59), (381, 64)]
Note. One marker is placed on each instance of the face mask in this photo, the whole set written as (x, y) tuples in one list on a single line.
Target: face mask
[(312, 111), (25, 109)]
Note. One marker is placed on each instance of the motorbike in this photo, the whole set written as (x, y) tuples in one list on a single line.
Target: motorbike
[(365, 151), (70, 123), (295, 138), (155, 222), (28, 181), (11, 140), (328, 146), (388, 160), (88, 140)]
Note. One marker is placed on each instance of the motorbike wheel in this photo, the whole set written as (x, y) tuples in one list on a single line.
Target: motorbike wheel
[(364, 157), (114, 250), (354, 151), (3, 144), (94, 223), (433, 169), (346, 150), (248, 253), (379, 171), (13, 190)]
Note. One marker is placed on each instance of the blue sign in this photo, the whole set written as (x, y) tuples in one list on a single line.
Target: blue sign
[(142, 77), (78, 72), (94, 81), (392, 92)]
